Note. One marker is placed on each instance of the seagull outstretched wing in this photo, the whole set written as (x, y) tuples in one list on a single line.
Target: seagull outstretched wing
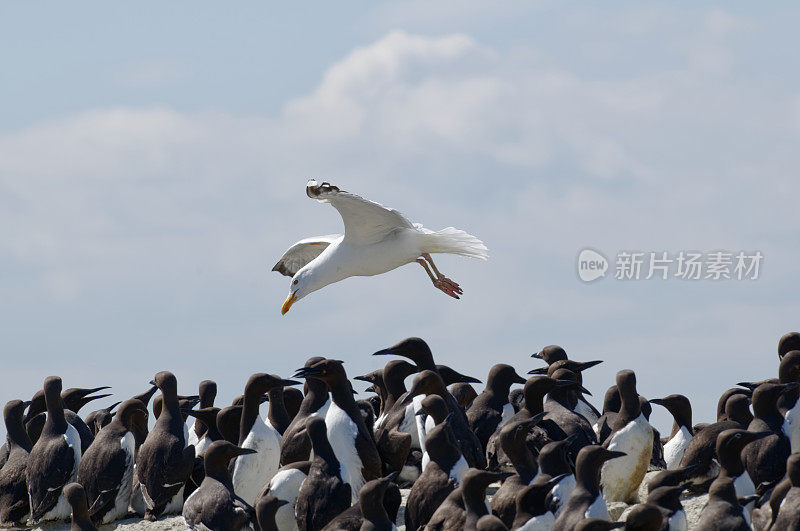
[(365, 221), (302, 253)]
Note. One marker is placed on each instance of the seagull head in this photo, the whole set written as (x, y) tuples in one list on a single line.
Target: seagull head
[(303, 282)]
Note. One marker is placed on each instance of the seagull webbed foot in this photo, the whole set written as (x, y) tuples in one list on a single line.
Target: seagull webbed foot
[(448, 286), (440, 281)]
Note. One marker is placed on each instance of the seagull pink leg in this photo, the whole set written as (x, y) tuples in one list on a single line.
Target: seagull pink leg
[(441, 282), (437, 282)]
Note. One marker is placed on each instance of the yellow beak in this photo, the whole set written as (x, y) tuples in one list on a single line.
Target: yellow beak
[(288, 302)]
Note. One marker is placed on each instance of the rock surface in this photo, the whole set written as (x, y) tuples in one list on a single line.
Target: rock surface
[(131, 524)]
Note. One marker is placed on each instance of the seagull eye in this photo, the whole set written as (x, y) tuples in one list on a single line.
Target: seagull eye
[(294, 282)]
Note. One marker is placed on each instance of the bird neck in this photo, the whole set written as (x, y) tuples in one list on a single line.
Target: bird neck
[(565, 397), (322, 450), (200, 428), (589, 482), (534, 403), (342, 396), (524, 462), (522, 516), (266, 517), (767, 411), (315, 398), (170, 405), (372, 509), (730, 463), (55, 415), (629, 410), (475, 504), (555, 466), (252, 401), (395, 388), (16, 435), (209, 427), (80, 516), (278, 416), (218, 471)]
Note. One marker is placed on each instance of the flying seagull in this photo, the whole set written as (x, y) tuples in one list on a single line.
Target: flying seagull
[(376, 240)]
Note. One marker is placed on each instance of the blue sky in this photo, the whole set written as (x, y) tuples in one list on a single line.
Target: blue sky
[(153, 159)]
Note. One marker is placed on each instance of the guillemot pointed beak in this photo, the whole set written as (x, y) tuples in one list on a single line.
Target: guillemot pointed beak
[(288, 302), (540, 370)]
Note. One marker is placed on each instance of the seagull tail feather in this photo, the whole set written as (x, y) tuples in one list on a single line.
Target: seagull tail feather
[(455, 241)]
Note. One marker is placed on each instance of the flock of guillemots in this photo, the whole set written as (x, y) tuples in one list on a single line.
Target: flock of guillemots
[(324, 460)]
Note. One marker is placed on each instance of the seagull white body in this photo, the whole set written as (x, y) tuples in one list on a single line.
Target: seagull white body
[(252, 471), (376, 240), (675, 447), (343, 259), (62, 509), (285, 485), (342, 433), (123, 499)]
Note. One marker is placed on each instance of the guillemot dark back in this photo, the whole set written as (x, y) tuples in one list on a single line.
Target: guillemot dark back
[(165, 460), (214, 505), (492, 408), (513, 436), (295, 444), (325, 493), (53, 460), (14, 502), (586, 500), (106, 469), (436, 482), (207, 393)]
